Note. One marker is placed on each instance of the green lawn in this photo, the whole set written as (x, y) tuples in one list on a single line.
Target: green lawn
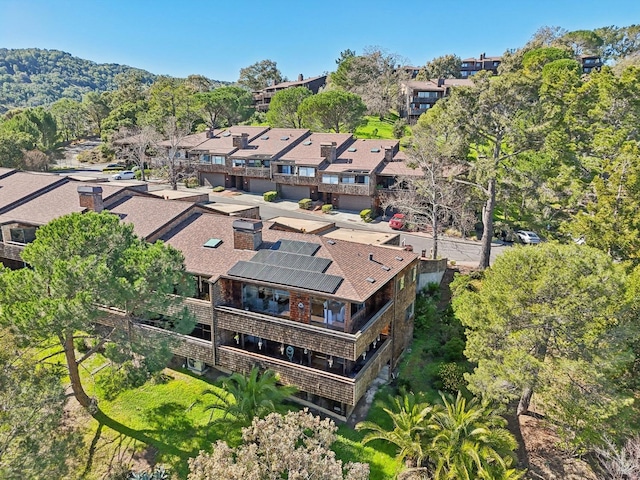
[(168, 419)]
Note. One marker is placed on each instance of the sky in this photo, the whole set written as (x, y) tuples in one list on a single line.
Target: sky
[(218, 38)]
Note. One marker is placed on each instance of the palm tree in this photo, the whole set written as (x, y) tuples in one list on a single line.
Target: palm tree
[(411, 428), (471, 442), (241, 398)]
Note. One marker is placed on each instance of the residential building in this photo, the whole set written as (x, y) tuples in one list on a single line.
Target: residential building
[(262, 98), (420, 96), (328, 315), (590, 63), (471, 66)]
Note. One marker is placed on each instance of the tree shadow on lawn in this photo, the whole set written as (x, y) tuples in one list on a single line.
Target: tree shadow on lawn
[(173, 435)]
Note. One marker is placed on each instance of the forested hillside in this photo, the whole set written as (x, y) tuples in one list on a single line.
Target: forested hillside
[(33, 76)]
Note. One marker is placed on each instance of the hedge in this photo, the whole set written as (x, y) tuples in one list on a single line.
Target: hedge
[(270, 196), (327, 208), (305, 203), (366, 215)]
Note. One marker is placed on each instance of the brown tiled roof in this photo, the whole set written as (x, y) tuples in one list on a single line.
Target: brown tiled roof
[(424, 85), (6, 171), (363, 158), (399, 167), (20, 186), (272, 143), (222, 143), (190, 141), (458, 82), (148, 215), (309, 154), (59, 201), (296, 83), (349, 260)]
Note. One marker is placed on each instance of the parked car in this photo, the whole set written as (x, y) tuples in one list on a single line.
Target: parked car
[(528, 237), (124, 175), (397, 221)]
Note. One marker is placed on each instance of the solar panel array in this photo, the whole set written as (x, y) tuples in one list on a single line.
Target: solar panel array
[(295, 246), (317, 281), (291, 260)]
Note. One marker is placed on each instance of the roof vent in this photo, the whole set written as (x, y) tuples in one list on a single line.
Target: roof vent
[(399, 259), (371, 257), (284, 139), (264, 137), (352, 149), (226, 134), (331, 242), (375, 150), (385, 268), (371, 280), (308, 142)]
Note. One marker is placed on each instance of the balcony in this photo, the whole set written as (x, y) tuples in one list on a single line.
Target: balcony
[(202, 310), (211, 168), (320, 337), (319, 382), (348, 188), (11, 250), (257, 172), (287, 179)]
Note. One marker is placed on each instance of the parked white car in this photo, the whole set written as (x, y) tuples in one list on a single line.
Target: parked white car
[(124, 175), (529, 237)]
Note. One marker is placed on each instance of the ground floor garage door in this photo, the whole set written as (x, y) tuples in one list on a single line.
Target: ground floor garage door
[(355, 203), (258, 185), (212, 179), (294, 192)]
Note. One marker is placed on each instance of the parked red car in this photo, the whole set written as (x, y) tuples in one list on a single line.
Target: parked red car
[(397, 221)]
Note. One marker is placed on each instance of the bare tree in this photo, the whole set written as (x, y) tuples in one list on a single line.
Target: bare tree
[(173, 152), (620, 463), (433, 198), (135, 144)]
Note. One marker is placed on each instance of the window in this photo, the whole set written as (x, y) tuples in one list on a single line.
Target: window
[(238, 162), (427, 94), (205, 158), (401, 283), (465, 64), (362, 179), (495, 64), (464, 74), (306, 172), (424, 106), (349, 179), (285, 169), (413, 274), (218, 160), (409, 311), (333, 179)]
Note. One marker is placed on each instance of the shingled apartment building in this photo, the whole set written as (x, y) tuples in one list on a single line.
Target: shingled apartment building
[(327, 315)]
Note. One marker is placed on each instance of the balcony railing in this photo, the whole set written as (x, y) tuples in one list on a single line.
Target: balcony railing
[(318, 382)]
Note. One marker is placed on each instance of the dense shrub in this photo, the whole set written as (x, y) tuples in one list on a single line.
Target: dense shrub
[(305, 203), (270, 196), (399, 128), (191, 182), (366, 215), (138, 174), (327, 208), (127, 376), (81, 345), (218, 189), (451, 377)]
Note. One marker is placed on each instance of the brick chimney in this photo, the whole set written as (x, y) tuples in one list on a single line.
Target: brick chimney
[(247, 234), (482, 55), (388, 154), (91, 198), (328, 151), (209, 133), (440, 82), (300, 77), (240, 140)]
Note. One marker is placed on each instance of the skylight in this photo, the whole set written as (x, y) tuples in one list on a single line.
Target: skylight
[(371, 280), (308, 142), (212, 243), (284, 139), (352, 149), (264, 137), (375, 150), (226, 134)]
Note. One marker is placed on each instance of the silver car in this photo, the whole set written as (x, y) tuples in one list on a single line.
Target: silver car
[(529, 237)]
